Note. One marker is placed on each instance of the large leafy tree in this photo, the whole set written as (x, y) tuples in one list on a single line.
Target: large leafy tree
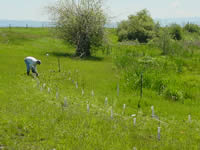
[(138, 27), (80, 22)]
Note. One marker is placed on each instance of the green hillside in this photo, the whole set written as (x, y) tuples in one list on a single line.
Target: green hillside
[(51, 112)]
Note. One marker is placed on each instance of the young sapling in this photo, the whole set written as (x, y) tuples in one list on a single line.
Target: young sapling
[(117, 89)]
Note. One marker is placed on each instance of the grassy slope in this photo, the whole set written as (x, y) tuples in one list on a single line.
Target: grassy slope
[(32, 118)]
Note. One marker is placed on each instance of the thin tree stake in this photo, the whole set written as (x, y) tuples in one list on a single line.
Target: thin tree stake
[(59, 64)]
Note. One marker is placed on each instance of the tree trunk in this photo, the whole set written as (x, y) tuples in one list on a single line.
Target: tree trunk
[(83, 46)]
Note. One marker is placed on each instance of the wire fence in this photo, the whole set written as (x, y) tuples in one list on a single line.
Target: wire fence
[(14, 24), (36, 24)]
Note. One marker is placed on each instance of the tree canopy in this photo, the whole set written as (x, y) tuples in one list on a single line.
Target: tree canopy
[(138, 27), (80, 22)]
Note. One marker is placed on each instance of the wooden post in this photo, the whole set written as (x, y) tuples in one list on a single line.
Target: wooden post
[(141, 85), (65, 102), (141, 89), (111, 113), (83, 84), (118, 89), (77, 75), (159, 133), (58, 64)]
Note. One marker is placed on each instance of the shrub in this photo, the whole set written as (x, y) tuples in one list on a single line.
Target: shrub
[(174, 94), (159, 74), (163, 41), (191, 28), (138, 27), (168, 44), (122, 35), (176, 31)]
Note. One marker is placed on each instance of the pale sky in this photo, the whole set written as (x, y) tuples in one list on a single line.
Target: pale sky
[(118, 9)]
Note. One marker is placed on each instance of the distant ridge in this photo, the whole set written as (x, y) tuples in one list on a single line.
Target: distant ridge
[(180, 21), (31, 23)]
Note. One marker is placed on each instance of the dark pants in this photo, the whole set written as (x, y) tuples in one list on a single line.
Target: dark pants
[(28, 67), (34, 71)]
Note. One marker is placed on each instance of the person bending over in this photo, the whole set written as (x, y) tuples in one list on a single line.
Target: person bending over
[(31, 63)]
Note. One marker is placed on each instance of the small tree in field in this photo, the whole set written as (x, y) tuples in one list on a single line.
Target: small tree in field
[(80, 22), (139, 27)]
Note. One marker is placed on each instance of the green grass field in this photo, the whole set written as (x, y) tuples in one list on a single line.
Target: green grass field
[(34, 118)]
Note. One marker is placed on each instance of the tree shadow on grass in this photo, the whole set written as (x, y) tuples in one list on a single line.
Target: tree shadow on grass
[(72, 56), (61, 54)]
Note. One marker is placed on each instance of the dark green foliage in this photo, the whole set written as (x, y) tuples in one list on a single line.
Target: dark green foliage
[(176, 31), (123, 35), (170, 45), (138, 27), (193, 28)]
